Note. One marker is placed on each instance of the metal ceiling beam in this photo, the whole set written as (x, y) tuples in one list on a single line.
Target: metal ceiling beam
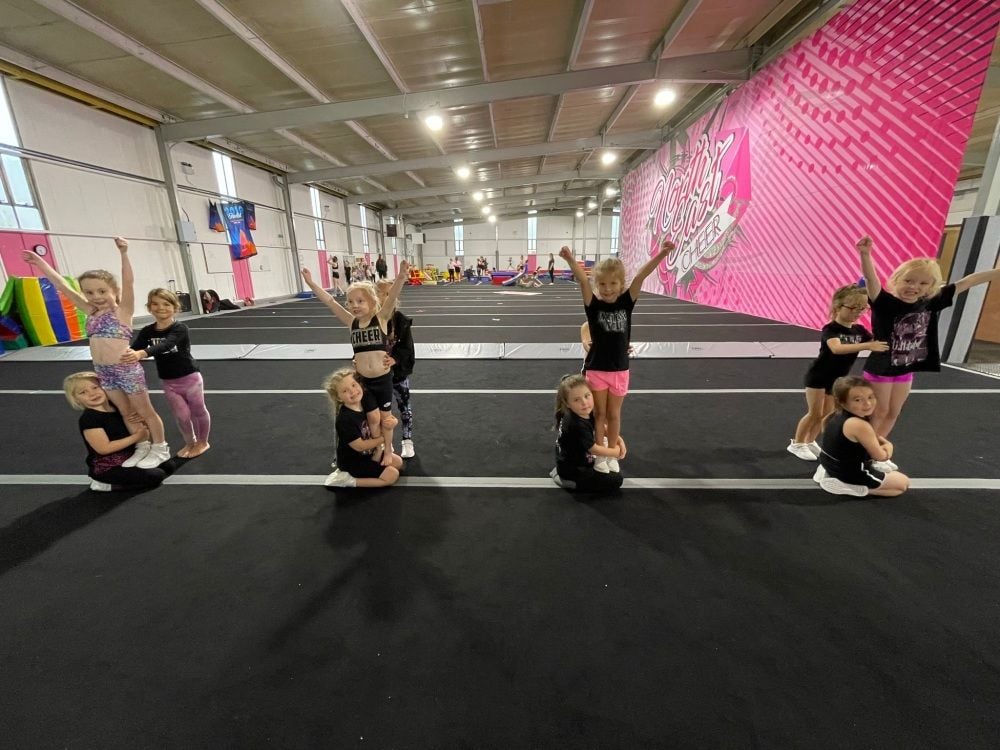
[(712, 67), (470, 187), (507, 200), (486, 71), (649, 139)]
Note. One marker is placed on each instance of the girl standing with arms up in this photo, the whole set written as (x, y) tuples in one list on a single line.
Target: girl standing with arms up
[(169, 343), (368, 320), (905, 316), (851, 447), (109, 326), (609, 317), (576, 445), (840, 342)]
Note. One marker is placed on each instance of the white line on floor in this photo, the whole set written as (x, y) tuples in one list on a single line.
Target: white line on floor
[(503, 311), (490, 326), (531, 391), (946, 483)]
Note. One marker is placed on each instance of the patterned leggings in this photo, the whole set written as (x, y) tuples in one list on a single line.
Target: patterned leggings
[(186, 396), (402, 389)]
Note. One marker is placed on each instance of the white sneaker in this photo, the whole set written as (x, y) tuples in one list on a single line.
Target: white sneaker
[(613, 465), (340, 479), (601, 465), (99, 486), (141, 450), (836, 487), (820, 474), (814, 447), (884, 466), (801, 450), (566, 484), (407, 451), (158, 453)]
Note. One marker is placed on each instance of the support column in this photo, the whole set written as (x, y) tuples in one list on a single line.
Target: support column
[(293, 241), (347, 225), (988, 197), (978, 250), (600, 210), (179, 223)]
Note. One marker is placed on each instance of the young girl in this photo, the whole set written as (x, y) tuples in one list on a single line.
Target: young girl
[(577, 444), (850, 446), (367, 320), (905, 315), (168, 342), (840, 342), (552, 270), (609, 316), (400, 357), (356, 466), (338, 290), (109, 327), (110, 443)]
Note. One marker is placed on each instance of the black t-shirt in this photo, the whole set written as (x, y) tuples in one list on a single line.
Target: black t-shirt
[(910, 329), (576, 438), (610, 331), (114, 427), (828, 366), (840, 454), (351, 425), (171, 347)]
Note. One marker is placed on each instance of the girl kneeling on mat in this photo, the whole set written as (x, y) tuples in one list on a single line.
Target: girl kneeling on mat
[(356, 465), (850, 445), (577, 445), (109, 443)]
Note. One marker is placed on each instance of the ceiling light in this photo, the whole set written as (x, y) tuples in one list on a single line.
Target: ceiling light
[(608, 157), (487, 210), (591, 204), (579, 213), (610, 191), (664, 97), (434, 122), (533, 211), (463, 172), (492, 219), (477, 196)]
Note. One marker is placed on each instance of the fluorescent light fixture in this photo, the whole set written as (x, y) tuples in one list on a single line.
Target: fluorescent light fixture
[(487, 210), (591, 204), (533, 211), (492, 219), (434, 122), (608, 157), (579, 213), (477, 196), (664, 97), (610, 191), (463, 172)]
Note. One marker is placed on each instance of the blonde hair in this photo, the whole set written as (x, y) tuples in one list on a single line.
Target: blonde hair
[(368, 289), (567, 384), (332, 383), (845, 293), (166, 295), (70, 384), (386, 282), (609, 267), (101, 275), (928, 266)]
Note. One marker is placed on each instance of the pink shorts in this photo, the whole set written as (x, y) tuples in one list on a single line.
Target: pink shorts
[(905, 378), (604, 380)]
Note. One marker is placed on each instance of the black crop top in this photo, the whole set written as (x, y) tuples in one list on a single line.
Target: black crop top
[(370, 338)]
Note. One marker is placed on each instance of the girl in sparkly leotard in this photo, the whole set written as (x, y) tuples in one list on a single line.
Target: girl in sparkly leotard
[(109, 325)]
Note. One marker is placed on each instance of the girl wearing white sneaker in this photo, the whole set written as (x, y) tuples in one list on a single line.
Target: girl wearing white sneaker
[(577, 446), (109, 325), (400, 357), (840, 342), (850, 445), (109, 441), (357, 463)]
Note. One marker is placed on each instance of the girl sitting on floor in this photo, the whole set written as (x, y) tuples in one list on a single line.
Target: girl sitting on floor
[(576, 444), (356, 465)]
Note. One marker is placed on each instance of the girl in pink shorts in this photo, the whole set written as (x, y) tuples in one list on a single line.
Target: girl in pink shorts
[(608, 304)]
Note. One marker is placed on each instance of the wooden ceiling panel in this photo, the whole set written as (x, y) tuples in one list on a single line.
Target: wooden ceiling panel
[(625, 31), (583, 113), (407, 138), (466, 129), (523, 121), (722, 25), (528, 37), (642, 114)]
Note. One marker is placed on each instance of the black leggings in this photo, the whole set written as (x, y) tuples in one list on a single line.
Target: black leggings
[(588, 480), (552, 277), (132, 477)]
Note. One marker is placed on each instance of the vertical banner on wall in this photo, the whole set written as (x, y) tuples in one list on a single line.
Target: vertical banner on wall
[(859, 129), (250, 214), (214, 219), (240, 240)]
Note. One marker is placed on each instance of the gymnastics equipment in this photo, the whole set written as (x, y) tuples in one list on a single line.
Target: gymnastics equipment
[(416, 277), (512, 281), (48, 317)]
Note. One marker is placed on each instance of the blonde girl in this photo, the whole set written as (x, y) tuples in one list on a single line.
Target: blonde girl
[(609, 307), (356, 465), (368, 321), (840, 342), (109, 325), (169, 343), (577, 447), (110, 443), (905, 315), (851, 446)]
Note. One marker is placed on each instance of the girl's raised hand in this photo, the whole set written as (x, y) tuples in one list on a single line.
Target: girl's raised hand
[(878, 346), (31, 258), (864, 245), (404, 267), (566, 254), (307, 276), (667, 246), (122, 244)]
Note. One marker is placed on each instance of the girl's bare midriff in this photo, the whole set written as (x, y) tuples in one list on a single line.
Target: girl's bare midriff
[(370, 364), (107, 351)]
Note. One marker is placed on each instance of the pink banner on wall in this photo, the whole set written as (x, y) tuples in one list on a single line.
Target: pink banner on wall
[(859, 129)]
